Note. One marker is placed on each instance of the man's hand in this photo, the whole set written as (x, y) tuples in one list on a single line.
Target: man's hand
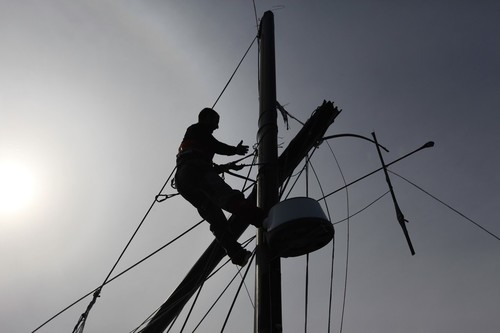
[(226, 167), (234, 166), (241, 149)]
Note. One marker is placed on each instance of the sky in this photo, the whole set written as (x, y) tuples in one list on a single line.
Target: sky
[(95, 97)]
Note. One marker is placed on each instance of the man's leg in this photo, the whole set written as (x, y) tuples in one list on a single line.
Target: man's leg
[(245, 209), (187, 179), (220, 228), (233, 201)]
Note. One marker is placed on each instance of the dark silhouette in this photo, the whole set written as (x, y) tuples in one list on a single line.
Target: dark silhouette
[(198, 181)]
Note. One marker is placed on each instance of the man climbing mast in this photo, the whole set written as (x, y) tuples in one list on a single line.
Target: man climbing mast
[(198, 181)]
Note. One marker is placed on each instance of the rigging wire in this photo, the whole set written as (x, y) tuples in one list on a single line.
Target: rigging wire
[(119, 274), (96, 292), (171, 325), (427, 145), (196, 298), (181, 299), (287, 180), (330, 300), (297, 177), (83, 318), (201, 286), (306, 296), (238, 291), (217, 299), (225, 289), (307, 255), (243, 189), (135, 330), (248, 291), (234, 72), (247, 178), (448, 206), (282, 190), (363, 209), (305, 168), (348, 237), (255, 14), (137, 229), (347, 242), (245, 243)]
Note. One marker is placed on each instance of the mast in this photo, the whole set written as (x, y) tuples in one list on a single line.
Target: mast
[(268, 318)]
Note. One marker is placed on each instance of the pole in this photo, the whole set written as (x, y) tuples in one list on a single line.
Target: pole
[(268, 318)]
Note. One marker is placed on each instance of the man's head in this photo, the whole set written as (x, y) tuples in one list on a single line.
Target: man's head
[(209, 118)]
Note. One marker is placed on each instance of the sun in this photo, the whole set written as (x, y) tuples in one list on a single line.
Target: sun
[(17, 187)]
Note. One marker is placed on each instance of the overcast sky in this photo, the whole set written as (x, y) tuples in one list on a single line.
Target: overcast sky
[(95, 97)]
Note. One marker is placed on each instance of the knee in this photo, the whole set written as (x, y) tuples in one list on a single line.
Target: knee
[(249, 212), (234, 201), (213, 215)]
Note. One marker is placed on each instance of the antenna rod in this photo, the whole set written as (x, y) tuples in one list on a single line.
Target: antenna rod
[(399, 213), (268, 316)]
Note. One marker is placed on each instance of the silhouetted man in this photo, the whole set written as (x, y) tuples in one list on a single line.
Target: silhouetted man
[(198, 181)]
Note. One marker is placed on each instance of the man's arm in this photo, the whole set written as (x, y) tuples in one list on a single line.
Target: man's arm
[(225, 149)]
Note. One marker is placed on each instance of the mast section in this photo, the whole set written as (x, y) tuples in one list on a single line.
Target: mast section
[(268, 317)]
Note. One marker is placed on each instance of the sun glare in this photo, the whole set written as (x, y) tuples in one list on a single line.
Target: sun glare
[(17, 188)]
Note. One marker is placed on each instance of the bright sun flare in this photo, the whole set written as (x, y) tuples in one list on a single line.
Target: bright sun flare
[(17, 188)]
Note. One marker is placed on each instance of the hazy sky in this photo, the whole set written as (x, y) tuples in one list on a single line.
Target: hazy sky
[(95, 97)]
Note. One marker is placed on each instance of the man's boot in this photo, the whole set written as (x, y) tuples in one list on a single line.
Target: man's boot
[(238, 255), (220, 228)]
